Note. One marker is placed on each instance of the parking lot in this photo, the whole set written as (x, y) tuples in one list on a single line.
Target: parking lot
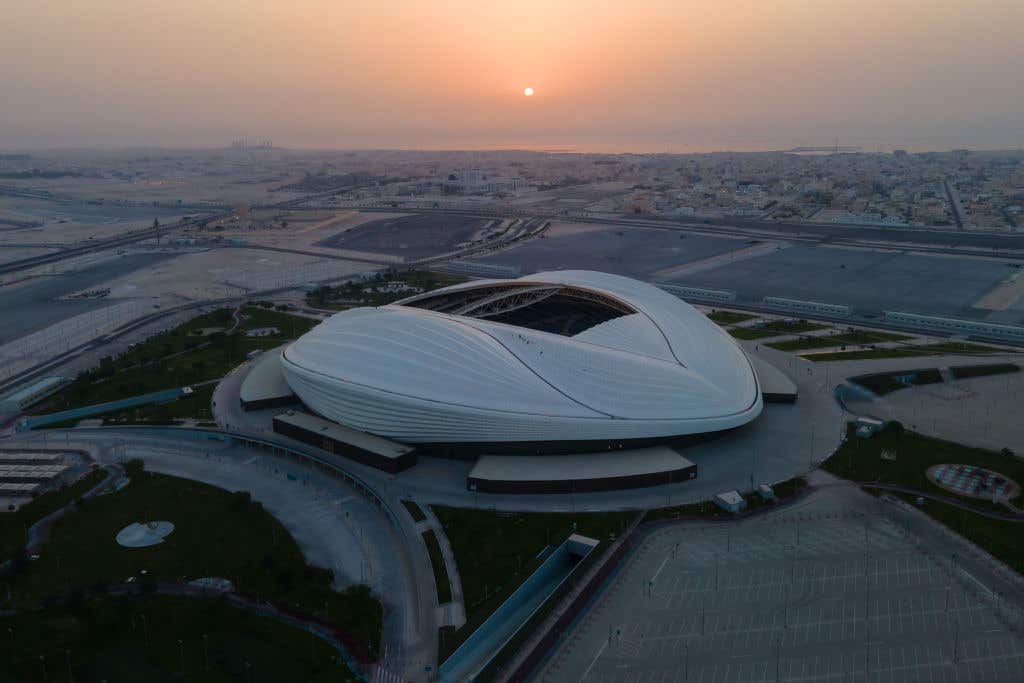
[(835, 596)]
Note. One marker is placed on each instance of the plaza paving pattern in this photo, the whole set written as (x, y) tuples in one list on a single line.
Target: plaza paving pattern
[(839, 596)]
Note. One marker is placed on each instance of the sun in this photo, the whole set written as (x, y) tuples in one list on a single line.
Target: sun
[(528, 92)]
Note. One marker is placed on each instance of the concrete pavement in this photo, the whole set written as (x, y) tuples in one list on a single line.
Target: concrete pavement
[(838, 586)]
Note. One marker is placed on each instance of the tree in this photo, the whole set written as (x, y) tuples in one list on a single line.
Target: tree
[(135, 468), (894, 428)]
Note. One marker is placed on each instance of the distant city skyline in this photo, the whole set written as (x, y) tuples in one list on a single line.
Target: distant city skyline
[(607, 77)]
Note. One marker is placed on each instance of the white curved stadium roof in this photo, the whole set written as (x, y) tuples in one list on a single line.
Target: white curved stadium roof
[(655, 368)]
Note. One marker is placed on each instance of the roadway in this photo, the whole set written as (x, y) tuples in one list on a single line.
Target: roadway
[(103, 244), (953, 196), (925, 240)]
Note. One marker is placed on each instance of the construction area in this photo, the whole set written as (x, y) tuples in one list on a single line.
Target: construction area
[(816, 593)]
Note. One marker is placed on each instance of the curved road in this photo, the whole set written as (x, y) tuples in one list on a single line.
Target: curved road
[(333, 523)]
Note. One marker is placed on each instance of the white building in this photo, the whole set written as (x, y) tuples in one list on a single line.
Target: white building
[(553, 362)]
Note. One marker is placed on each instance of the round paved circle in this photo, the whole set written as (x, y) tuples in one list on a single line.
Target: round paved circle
[(973, 482)]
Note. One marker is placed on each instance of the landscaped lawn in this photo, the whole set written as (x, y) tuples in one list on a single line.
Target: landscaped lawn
[(196, 405), (414, 511), (882, 383), (441, 580), (291, 326), (854, 338), (729, 317), (752, 332), (909, 351), (178, 357), (865, 337), (960, 347), (160, 639), (861, 460), (361, 293), (217, 534), (14, 525), (496, 551), (866, 354), (805, 343), (775, 328), (794, 327), (965, 371)]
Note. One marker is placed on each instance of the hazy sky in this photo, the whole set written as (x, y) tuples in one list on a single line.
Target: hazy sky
[(677, 75)]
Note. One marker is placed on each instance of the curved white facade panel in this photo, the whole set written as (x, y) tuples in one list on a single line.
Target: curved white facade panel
[(657, 369)]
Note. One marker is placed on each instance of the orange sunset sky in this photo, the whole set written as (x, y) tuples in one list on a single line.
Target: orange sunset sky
[(678, 76)]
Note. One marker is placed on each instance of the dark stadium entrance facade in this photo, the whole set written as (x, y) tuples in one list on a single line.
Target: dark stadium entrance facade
[(470, 451)]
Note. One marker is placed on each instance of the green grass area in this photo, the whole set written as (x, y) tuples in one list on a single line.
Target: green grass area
[(751, 332), (441, 580), (909, 351), (794, 327), (783, 490), (775, 328), (912, 454), (414, 511), (496, 551), (729, 317), (805, 343), (178, 357), (217, 533), (861, 460), (868, 354), (959, 347), (882, 383), (14, 525), (196, 405), (124, 640), (849, 338), (999, 538), (364, 293), (966, 371), (865, 337), (290, 326)]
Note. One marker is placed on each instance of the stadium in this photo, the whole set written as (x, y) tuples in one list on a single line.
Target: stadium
[(556, 362)]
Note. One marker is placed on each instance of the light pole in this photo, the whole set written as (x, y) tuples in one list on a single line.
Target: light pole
[(181, 654), (778, 659), (206, 652), (703, 612), (956, 641)]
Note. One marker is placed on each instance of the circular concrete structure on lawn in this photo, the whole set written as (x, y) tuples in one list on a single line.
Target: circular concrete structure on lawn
[(565, 361), (143, 535), (973, 482)]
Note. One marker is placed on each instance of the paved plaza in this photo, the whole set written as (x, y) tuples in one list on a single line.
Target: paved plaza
[(834, 595)]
